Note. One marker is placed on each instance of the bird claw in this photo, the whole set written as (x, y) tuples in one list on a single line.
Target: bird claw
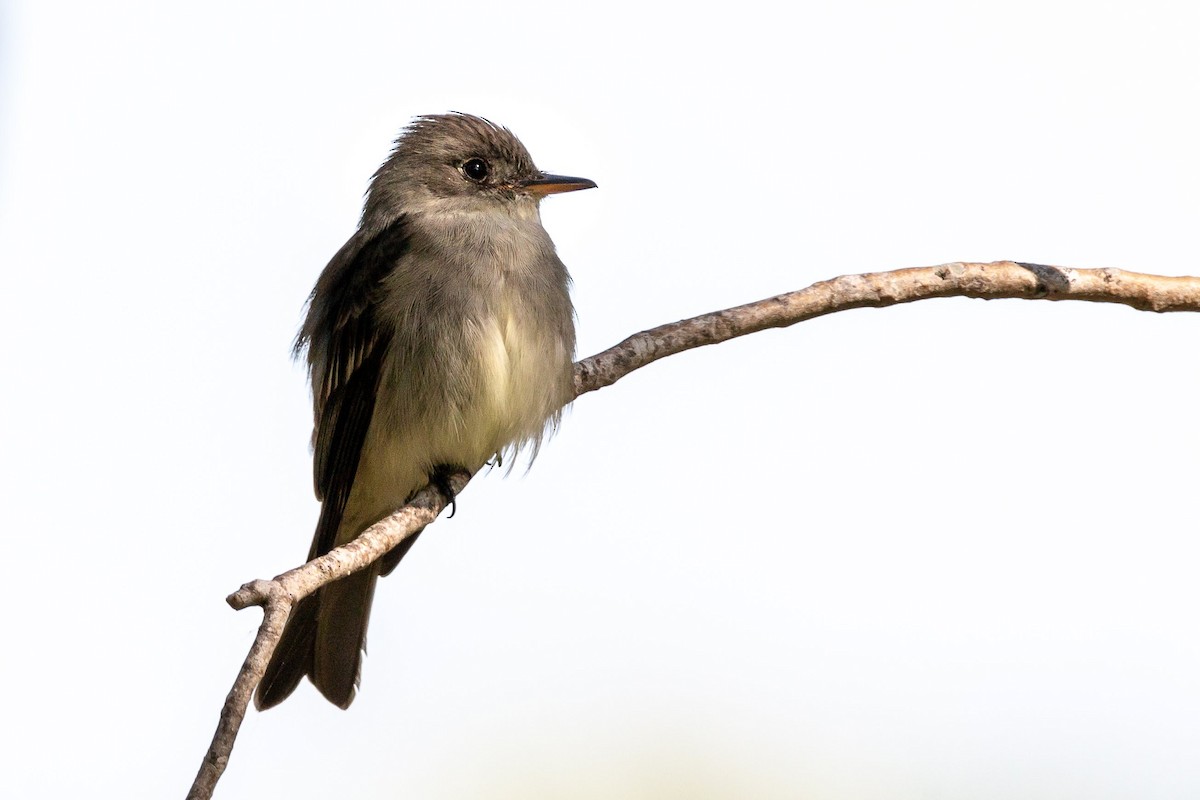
[(440, 479)]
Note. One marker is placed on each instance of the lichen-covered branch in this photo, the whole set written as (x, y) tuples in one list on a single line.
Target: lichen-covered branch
[(1000, 279), (279, 595)]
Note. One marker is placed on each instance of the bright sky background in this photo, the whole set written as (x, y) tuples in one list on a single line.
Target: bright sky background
[(947, 550)]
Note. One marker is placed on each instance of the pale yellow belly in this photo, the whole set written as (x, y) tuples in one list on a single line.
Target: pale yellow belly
[(517, 384)]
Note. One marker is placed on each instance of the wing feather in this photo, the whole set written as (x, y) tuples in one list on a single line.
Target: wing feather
[(347, 341)]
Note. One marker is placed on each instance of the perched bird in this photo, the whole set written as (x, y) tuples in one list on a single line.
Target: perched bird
[(439, 337)]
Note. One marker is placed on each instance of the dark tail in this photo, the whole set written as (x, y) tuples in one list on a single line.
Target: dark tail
[(325, 638), (293, 657)]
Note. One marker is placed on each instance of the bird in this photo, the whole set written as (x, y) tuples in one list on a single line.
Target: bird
[(439, 338)]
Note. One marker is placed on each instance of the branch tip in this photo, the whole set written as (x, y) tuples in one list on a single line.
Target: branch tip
[(254, 593)]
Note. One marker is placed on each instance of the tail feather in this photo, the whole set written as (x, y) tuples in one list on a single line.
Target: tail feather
[(325, 638), (293, 656), (341, 636)]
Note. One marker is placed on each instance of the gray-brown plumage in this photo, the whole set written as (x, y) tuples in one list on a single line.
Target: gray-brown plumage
[(439, 336)]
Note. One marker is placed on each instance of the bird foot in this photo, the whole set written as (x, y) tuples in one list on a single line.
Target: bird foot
[(439, 478)]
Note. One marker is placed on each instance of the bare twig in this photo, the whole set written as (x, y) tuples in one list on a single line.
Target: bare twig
[(1000, 279), (280, 595)]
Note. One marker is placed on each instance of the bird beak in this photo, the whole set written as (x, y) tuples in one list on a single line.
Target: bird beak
[(553, 184)]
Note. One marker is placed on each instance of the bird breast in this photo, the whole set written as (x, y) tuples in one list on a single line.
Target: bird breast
[(521, 372), (492, 302)]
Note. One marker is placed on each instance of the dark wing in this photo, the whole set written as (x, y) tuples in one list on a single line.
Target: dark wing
[(347, 341)]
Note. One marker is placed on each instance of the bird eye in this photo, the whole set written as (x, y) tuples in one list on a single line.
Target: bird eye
[(476, 169)]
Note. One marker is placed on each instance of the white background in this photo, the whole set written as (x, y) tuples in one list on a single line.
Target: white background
[(940, 551)]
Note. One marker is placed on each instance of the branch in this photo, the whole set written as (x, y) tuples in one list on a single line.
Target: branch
[(1000, 279), (279, 595)]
